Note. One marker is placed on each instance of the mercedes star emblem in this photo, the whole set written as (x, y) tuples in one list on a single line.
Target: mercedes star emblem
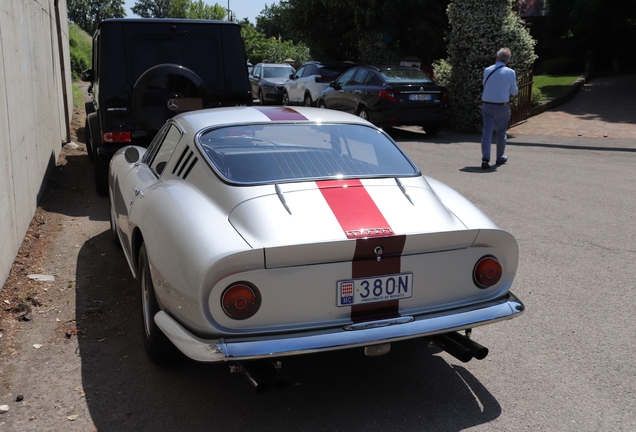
[(173, 104)]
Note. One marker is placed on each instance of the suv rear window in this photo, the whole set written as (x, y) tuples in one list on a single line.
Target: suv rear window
[(402, 76), (332, 72), (147, 50)]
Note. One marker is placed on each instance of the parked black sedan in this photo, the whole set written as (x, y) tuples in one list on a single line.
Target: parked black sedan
[(389, 96)]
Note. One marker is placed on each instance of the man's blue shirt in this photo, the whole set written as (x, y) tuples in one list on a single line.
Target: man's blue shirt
[(501, 85)]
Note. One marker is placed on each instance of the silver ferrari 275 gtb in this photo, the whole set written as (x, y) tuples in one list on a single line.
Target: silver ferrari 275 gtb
[(262, 232)]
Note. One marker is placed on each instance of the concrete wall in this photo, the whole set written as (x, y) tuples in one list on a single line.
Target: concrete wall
[(35, 102)]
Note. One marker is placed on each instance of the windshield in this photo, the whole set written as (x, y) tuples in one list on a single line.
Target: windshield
[(404, 76), (277, 72), (272, 153)]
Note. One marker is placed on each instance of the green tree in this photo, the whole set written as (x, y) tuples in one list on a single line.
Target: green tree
[(196, 9), (88, 13), (192, 9), (606, 30), (361, 30), (478, 29), (259, 47), (152, 8)]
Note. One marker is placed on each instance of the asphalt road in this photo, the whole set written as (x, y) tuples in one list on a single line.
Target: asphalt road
[(567, 364)]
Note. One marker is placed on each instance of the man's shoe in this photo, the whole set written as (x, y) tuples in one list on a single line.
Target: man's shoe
[(503, 160), (484, 165)]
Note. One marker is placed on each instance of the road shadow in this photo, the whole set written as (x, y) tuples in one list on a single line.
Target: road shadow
[(71, 190), (411, 388), (416, 134)]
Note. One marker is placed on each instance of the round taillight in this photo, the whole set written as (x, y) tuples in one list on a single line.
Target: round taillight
[(487, 272), (240, 300)]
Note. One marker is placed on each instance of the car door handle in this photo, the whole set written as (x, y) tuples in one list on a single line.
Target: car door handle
[(358, 91), (138, 192)]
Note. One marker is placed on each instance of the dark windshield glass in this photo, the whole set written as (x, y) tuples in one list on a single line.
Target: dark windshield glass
[(277, 72), (273, 153), (404, 76)]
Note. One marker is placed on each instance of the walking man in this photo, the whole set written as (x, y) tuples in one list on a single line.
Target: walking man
[(500, 82)]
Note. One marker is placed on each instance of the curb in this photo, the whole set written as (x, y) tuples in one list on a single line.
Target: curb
[(562, 98)]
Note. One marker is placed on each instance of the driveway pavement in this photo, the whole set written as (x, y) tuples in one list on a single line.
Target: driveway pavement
[(604, 108)]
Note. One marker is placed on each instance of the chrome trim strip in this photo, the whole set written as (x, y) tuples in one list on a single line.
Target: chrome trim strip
[(333, 339)]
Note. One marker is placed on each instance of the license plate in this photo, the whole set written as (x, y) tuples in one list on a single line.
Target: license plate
[(419, 97), (352, 292)]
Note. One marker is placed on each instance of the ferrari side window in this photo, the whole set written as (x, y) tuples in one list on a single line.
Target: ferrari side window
[(165, 149)]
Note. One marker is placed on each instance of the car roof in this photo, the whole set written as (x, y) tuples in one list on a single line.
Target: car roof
[(275, 65), (194, 121), (133, 21)]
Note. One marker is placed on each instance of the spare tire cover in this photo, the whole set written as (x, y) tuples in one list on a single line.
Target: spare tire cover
[(164, 91)]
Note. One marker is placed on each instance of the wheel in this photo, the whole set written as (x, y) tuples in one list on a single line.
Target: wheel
[(285, 98), (261, 99), (363, 114), (100, 169), (157, 345), (322, 104), (87, 140), (308, 101), (113, 222), (432, 130), (165, 90)]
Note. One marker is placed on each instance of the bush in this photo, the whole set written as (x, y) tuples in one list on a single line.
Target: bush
[(81, 51), (558, 66)]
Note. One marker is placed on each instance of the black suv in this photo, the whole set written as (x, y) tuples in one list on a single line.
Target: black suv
[(146, 71)]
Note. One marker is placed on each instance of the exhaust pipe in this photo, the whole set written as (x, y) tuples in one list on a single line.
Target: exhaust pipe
[(262, 376), (460, 346), (274, 376), (479, 351), (257, 378), (452, 347)]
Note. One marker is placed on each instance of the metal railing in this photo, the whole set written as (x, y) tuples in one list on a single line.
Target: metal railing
[(521, 105)]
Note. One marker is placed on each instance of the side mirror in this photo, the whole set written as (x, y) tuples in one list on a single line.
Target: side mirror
[(87, 75), (131, 155)]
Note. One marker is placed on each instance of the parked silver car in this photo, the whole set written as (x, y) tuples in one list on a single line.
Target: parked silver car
[(267, 80), (263, 232)]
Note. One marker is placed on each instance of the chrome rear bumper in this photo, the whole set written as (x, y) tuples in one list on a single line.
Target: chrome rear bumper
[(376, 332)]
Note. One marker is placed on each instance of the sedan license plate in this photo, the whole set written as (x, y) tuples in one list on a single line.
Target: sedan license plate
[(352, 292), (420, 97)]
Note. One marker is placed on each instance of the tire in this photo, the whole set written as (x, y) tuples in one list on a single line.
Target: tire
[(261, 98), (113, 222), (432, 130), (307, 101), (285, 98), (157, 345), (87, 140), (100, 169), (322, 104), (164, 91), (363, 114)]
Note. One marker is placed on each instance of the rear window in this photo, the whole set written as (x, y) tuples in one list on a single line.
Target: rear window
[(199, 52), (404, 76), (277, 72), (272, 153), (332, 72)]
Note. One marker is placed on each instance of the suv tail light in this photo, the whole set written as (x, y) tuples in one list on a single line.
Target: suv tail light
[(487, 272), (116, 137), (240, 300), (445, 95), (388, 95), (323, 80)]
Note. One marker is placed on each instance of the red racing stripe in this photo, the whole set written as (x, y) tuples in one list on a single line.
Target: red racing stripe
[(354, 208), (280, 113), (360, 218)]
